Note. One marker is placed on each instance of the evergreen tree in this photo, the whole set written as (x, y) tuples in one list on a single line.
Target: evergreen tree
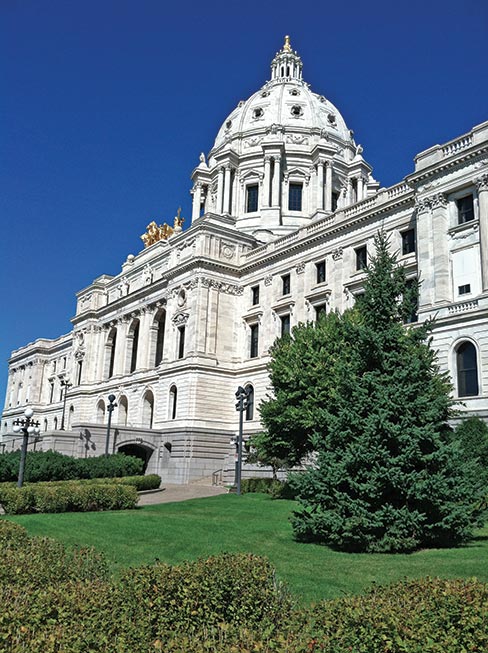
[(371, 407)]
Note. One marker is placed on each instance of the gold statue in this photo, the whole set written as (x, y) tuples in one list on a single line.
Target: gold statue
[(155, 233), (287, 46)]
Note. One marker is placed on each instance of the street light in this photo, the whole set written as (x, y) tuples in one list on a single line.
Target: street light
[(110, 409), (242, 396), (66, 384), (28, 427)]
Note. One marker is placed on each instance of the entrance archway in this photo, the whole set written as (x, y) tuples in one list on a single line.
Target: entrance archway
[(138, 451)]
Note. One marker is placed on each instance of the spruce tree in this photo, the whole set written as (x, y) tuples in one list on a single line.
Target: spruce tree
[(385, 474)]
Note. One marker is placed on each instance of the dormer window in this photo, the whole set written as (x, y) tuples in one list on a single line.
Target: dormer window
[(296, 111), (258, 113), (228, 124)]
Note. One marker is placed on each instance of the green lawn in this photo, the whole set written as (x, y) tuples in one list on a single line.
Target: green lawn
[(253, 522)]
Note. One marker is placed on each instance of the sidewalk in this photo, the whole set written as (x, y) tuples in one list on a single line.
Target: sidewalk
[(172, 492)]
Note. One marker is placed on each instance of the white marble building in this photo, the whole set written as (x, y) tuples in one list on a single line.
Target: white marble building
[(284, 212)]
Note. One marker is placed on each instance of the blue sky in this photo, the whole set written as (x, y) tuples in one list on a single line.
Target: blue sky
[(107, 104)]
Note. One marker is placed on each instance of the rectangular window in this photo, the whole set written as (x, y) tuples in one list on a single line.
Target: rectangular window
[(286, 284), (295, 197), (181, 342), (465, 289), (252, 198), (408, 241), (320, 309), (361, 257), (320, 267), (285, 325), (80, 369), (255, 295), (51, 393), (465, 209), (254, 341)]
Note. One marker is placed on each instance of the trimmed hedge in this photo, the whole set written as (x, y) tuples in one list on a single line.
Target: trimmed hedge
[(58, 600), (70, 496), (54, 466), (277, 489)]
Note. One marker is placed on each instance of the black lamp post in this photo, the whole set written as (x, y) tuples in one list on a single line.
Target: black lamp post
[(66, 385), (28, 427), (242, 396), (110, 409)]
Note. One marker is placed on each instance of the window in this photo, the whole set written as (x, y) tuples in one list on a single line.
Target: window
[(249, 403), (252, 198), (285, 325), (320, 267), (255, 295), (361, 257), (134, 336), (51, 392), (173, 397), (412, 300), (111, 344), (80, 370), (408, 241), (148, 409), (467, 370), (465, 209), (465, 289), (161, 323), (320, 309), (295, 197), (181, 342), (254, 341), (286, 284), (64, 363)]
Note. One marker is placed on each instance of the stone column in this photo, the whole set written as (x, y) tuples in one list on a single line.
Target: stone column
[(226, 208), (266, 183), (275, 195), (328, 186), (482, 184), (442, 291), (360, 188), (320, 185), (197, 201), (121, 346), (220, 190)]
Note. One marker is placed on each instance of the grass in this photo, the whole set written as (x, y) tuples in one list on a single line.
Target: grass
[(254, 523)]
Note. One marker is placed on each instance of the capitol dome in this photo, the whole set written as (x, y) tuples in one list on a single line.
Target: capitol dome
[(282, 158), (285, 100)]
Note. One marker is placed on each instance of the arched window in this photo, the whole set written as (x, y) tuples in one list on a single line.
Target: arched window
[(133, 344), (148, 410), (45, 425), (160, 323), (123, 411), (250, 402), (70, 416), (467, 370), (110, 353), (100, 412), (173, 400), (55, 423)]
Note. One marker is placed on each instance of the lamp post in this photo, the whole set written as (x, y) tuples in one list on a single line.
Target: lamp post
[(66, 385), (28, 427), (110, 409), (242, 396)]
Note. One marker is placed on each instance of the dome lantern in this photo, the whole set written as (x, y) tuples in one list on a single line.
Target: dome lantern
[(287, 64)]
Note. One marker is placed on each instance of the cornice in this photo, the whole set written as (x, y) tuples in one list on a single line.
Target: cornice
[(440, 167)]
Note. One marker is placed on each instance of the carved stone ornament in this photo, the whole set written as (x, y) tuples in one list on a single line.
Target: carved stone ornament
[(228, 288), (252, 141), (465, 233), (300, 268), (297, 139), (438, 201), (422, 204), (482, 182), (337, 254), (180, 319), (227, 250), (268, 280)]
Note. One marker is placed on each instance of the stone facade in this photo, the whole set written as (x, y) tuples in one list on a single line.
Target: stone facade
[(284, 210)]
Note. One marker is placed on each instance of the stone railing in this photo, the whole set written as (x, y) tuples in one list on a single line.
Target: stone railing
[(456, 146), (464, 306)]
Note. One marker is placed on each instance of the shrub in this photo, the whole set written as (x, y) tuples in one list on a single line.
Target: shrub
[(54, 466), (67, 497), (277, 489)]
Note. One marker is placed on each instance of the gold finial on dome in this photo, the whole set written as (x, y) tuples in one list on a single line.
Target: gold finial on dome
[(287, 46)]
